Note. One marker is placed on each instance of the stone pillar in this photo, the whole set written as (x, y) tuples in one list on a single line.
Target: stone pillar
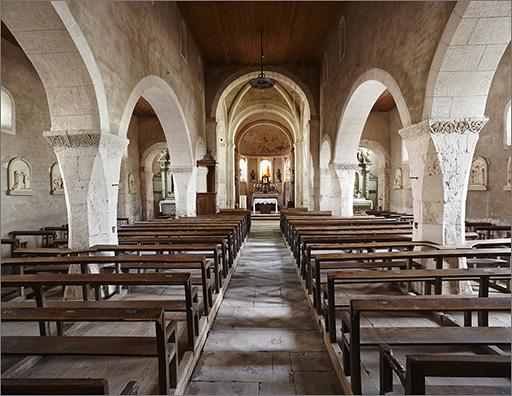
[(90, 164), (343, 202), (185, 189), (314, 146), (299, 172), (440, 156)]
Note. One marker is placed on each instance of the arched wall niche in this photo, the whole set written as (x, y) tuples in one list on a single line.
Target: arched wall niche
[(230, 111), (146, 176), (363, 95)]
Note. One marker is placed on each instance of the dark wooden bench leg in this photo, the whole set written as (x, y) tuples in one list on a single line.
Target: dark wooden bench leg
[(415, 380), (163, 357), (385, 370)]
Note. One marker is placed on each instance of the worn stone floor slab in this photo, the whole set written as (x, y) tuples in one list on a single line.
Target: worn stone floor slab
[(264, 339)]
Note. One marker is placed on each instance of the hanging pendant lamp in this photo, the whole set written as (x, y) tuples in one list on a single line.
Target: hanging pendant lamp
[(262, 82)]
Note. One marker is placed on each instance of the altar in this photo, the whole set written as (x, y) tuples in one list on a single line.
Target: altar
[(262, 198)]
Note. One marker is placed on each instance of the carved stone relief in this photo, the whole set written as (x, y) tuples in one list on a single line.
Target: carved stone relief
[(132, 188), (398, 181), (56, 182), (479, 176), (19, 177)]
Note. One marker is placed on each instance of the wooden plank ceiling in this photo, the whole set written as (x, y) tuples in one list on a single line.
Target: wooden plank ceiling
[(385, 102), (143, 108), (229, 32)]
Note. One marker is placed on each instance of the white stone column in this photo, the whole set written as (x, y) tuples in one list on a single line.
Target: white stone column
[(185, 189), (440, 156), (299, 172), (343, 202), (90, 164), (146, 178)]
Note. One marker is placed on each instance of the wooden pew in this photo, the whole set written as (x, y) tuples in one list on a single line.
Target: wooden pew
[(451, 335), (163, 346), (47, 236), (63, 386), (208, 250), (370, 247), (187, 305), (228, 255), (418, 367), (429, 277)]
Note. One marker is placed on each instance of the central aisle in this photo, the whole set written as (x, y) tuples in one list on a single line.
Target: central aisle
[(264, 339)]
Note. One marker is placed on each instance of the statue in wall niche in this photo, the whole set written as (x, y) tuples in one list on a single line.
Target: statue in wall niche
[(56, 181), (357, 185), (508, 186), (279, 176), (398, 181), (19, 177), (253, 176), (479, 175), (132, 189)]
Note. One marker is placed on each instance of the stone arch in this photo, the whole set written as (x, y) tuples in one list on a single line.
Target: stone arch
[(247, 73), (471, 47), (228, 121), (363, 95), (63, 61), (325, 173), (169, 112), (385, 166)]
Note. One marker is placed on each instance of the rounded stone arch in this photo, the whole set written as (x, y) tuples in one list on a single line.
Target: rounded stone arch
[(384, 169), (361, 99), (363, 95), (169, 112), (471, 47), (52, 40), (325, 157), (278, 74), (246, 128)]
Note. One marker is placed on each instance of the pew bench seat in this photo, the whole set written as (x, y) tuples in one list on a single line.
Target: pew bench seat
[(63, 386)]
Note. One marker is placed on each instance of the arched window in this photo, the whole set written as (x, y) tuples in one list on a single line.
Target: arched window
[(265, 169), (8, 115), (243, 169), (405, 154), (508, 132)]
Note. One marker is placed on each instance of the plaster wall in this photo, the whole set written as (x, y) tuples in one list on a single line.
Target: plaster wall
[(494, 204), (40, 209)]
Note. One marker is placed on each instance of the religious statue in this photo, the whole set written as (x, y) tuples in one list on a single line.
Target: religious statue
[(397, 183), (56, 181), (357, 191), (253, 176), (279, 176), (131, 184), (479, 175)]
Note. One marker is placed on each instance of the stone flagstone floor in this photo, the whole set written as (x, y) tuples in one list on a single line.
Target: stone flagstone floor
[(264, 340)]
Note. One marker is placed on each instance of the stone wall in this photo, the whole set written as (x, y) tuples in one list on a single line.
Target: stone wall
[(372, 29), (494, 204), (32, 118), (143, 40)]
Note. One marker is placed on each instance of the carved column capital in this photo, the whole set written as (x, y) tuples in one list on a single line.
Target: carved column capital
[(181, 168), (345, 166), (86, 138), (444, 126)]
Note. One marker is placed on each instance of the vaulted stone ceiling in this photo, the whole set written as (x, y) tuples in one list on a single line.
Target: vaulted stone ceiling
[(229, 32), (264, 139)]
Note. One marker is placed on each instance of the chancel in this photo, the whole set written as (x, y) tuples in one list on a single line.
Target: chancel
[(256, 198)]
